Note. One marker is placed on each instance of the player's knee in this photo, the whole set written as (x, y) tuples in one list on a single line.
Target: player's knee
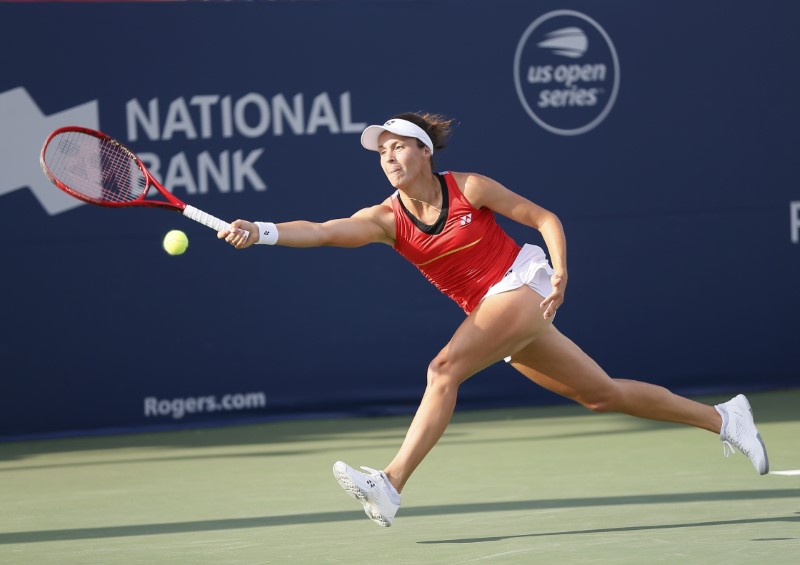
[(601, 401), (441, 376), (598, 407)]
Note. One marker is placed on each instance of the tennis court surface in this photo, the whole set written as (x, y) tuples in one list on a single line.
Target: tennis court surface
[(524, 485)]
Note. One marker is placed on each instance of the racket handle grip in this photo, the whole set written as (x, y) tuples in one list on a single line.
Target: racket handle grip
[(206, 219)]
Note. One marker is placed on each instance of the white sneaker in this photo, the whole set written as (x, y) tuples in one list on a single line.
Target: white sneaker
[(372, 489), (739, 430)]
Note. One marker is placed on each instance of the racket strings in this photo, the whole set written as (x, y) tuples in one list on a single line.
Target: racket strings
[(97, 168)]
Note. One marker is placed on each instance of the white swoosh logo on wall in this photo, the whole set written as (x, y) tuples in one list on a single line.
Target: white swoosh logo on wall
[(569, 42)]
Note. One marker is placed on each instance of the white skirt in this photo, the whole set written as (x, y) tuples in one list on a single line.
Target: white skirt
[(529, 268)]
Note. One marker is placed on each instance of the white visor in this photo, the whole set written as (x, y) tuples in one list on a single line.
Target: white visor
[(369, 138)]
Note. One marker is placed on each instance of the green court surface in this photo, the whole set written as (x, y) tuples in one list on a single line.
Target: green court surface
[(524, 485)]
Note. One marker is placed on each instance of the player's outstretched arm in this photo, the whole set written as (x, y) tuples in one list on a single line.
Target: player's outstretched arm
[(369, 225)]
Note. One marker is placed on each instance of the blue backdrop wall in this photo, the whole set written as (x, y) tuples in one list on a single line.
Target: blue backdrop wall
[(664, 134)]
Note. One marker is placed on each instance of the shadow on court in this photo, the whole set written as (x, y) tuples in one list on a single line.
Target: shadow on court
[(631, 529), (451, 438), (390, 429), (775, 406), (447, 509)]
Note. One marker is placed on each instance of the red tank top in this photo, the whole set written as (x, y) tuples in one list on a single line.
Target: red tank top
[(463, 254)]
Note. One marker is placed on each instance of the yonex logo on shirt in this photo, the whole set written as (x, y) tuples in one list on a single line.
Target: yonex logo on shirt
[(466, 219)]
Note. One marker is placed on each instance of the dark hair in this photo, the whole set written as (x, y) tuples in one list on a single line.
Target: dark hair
[(437, 127)]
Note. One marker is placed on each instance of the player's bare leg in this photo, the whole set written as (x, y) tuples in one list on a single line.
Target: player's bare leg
[(554, 362), (500, 325)]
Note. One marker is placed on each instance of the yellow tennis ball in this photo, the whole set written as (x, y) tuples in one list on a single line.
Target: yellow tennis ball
[(175, 242)]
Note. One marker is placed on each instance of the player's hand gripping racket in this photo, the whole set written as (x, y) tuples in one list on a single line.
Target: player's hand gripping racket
[(97, 169)]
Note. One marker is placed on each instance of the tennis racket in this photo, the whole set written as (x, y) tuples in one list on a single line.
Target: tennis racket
[(97, 169)]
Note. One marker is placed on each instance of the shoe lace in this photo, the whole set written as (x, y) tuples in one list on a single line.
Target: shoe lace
[(727, 448), (393, 494)]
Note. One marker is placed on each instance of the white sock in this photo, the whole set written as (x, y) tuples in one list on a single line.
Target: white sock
[(724, 414), (392, 491)]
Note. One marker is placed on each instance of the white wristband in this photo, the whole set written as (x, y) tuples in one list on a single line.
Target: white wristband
[(267, 233)]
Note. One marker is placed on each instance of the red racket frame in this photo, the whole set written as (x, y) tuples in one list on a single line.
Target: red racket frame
[(173, 202)]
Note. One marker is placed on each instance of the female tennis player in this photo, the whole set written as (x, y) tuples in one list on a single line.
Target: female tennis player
[(444, 224)]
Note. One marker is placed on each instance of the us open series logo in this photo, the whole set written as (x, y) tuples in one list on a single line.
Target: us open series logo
[(566, 72)]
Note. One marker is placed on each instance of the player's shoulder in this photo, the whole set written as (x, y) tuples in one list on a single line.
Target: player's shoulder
[(473, 185), (376, 210), (379, 213), (383, 215)]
